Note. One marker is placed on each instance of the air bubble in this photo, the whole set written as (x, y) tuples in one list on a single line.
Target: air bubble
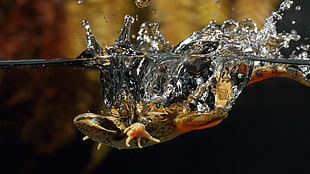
[(304, 54), (80, 1), (298, 8), (294, 32)]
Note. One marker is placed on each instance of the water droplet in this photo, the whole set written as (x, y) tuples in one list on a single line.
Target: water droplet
[(298, 8), (293, 22), (285, 5), (80, 1), (142, 3), (277, 16), (93, 47), (293, 31)]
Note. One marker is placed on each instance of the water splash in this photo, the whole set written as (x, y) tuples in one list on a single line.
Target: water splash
[(123, 44), (150, 39), (199, 74), (93, 48)]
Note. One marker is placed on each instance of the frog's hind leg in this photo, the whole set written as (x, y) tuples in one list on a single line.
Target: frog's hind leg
[(299, 73)]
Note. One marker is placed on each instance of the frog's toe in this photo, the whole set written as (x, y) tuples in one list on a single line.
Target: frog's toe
[(137, 130)]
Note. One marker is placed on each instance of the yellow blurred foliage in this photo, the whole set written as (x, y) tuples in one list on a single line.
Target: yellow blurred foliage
[(257, 10), (177, 18)]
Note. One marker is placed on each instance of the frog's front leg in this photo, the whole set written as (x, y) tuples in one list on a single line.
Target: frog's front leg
[(137, 130)]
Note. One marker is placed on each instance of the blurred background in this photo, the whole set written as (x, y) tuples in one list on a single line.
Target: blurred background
[(267, 131)]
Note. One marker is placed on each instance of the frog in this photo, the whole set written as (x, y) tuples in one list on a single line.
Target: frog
[(152, 95), (136, 120)]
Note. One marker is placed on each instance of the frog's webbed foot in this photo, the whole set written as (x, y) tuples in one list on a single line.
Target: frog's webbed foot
[(137, 130)]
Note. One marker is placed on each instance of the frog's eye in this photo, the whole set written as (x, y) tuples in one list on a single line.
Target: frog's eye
[(105, 124)]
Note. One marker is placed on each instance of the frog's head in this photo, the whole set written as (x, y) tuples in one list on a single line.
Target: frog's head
[(113, 131), (103, 129)]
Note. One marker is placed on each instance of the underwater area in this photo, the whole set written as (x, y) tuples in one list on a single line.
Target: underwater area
[(267, 129)]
